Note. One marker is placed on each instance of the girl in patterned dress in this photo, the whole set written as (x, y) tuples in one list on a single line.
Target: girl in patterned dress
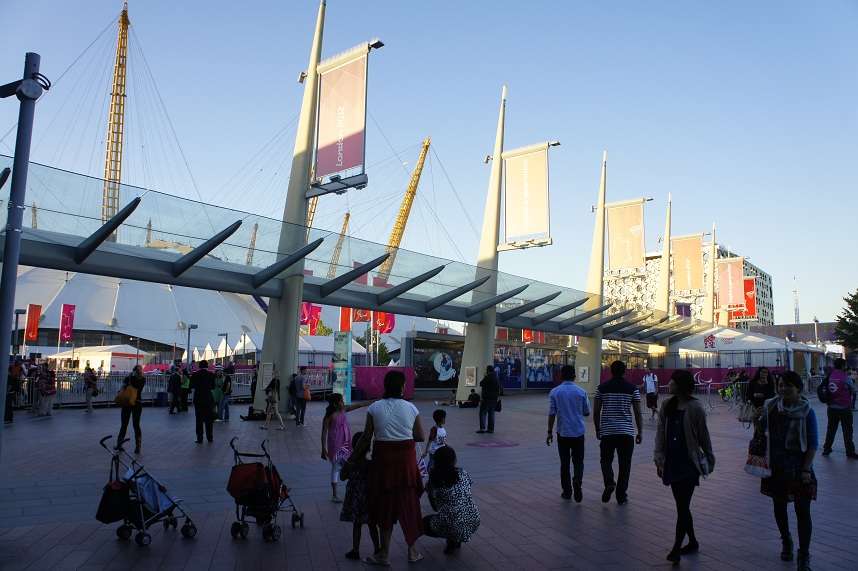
[(355, 507), (449, 493)]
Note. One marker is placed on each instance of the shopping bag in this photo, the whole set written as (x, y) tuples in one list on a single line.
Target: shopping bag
[(498, 406), (115, 502), (757, 463), (126, 397), (747, 413)]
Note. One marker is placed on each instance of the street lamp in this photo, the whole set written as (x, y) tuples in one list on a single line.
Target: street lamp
[(191, 326), (18, 313), (136, 358), (226, 348)]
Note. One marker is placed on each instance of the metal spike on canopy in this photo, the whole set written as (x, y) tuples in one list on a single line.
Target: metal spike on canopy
[(671, 332), (94, 240), (440, 300), (582, 316), (338, 282), (405, 286), (524, 308), (491, 302), (635, 330), (267, 274), (623, 324), (182, 265), (591, 325), (548, 315)]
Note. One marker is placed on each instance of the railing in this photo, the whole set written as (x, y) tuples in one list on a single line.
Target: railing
[(71, 389)]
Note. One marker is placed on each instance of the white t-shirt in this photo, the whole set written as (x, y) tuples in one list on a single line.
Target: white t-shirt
[(393, 419), (650, 383), (440, 440)]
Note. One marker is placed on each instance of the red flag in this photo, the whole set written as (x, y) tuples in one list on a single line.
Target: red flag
[(34, 313), (360, 315), (66, 322), (501, 333), (311, 315), (345, 319), (384, 322), (527, 335)]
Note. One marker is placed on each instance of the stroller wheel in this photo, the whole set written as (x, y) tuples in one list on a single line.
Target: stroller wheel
[(235, 529), (143, 539), (123, 532), (295, 519), (302, 520), (266, 532), (276, 532), (244, 531), (189, 530)]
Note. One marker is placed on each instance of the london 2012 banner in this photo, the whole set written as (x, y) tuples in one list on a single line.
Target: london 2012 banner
[(526, 214), (749, 313), (31, 331), (66, 322), (687, 252), (626, 234), (342, 362), (731, 274), (341, 126)]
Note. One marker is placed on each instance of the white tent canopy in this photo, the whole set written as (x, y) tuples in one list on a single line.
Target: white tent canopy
[(726, 339)]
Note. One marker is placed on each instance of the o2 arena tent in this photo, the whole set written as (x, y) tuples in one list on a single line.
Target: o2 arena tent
[(107, 358)]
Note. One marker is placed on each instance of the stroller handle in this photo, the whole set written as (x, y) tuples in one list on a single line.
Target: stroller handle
[(232, 443), (105, 439), (264, 449)]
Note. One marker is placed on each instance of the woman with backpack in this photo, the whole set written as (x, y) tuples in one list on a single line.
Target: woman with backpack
[(131, 406)]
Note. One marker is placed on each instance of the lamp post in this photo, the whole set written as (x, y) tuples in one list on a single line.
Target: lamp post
[(137, 357), (16, 347), (815, 331), (191, 326), (226, 347)]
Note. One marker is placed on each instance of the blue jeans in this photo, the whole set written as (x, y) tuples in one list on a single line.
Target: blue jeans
[(223, 408)]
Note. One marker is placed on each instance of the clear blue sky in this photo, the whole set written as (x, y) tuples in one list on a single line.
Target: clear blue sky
[(745, 111)]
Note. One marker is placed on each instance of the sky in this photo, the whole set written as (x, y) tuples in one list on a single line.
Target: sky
[(745, 111)]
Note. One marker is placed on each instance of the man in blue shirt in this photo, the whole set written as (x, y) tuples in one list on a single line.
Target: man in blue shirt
[(568, 405)]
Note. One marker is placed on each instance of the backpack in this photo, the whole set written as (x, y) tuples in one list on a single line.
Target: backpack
[(822, 392)]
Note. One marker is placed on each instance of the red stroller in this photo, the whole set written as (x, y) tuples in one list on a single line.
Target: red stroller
[(260, 493)]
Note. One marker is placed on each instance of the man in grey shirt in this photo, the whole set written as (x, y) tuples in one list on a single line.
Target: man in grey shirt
[(300, 401)]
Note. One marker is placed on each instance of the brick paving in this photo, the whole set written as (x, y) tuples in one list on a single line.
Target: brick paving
[(52, 472)]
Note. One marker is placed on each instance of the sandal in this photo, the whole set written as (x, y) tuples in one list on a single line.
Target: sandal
[(416, 559), (373, 560)]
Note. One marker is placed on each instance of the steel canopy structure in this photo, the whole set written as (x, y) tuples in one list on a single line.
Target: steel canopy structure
[(72, 237)]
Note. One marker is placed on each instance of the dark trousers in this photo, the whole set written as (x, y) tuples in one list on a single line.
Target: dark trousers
[(183, 400), (300, 410), (175, 403), (487, 414), (802, 515), (682, 492), (129, 413), (837, 417), (7, 416), (571, 448), (624, 445), (205, 420)]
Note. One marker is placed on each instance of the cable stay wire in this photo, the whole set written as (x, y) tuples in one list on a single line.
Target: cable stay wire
[(455, 193)]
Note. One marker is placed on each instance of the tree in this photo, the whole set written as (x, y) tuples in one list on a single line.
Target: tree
[(322, 329), (846, 329), (381, 349)]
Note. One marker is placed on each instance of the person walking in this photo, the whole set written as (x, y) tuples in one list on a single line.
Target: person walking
[(337, 437), (302, 395), (356, 504), (489, 401), (449, 492), (789, 424), (272, 404), (839, 388), (395, 485), (616, 402), (568, 405), (202, 385), (683, 453), (47, 390), (226, 394), (761, 388), (90, 383), (650, 383), (174, 387), (185, 390), (217, 392), (134, 410)]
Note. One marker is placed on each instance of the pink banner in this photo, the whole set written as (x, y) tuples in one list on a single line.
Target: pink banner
[(342, 118), (370, 380), (702, 376), (731, 282), (66, 322)]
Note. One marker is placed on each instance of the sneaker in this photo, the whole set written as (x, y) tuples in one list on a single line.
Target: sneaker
[(852, 455), (481, 431), (263, 428), (690, 547), (353, 555), (281, 428), (621, 501), (490, 431), (579, 495), (566, 495), (826, 452), (606, 495)]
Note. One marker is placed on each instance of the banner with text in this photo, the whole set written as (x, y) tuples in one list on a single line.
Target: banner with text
[(687, 254), (34, 314), (750, 311), (66, 322), (730, 282), (526, 212), (342, 361), (341, 127), (626, 234)]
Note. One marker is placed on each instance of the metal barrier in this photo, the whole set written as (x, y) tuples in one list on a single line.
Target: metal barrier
[(71, 389)]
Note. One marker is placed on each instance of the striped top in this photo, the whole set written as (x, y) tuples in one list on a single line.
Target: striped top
[(617, 397)]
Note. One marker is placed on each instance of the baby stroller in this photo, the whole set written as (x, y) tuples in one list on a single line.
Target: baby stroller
[(259, 493), (138, 500)]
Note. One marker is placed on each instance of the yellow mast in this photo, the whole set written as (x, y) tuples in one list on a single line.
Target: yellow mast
[(338, 249), (311, 212), (404, 211), (116, 123), (252, 247)]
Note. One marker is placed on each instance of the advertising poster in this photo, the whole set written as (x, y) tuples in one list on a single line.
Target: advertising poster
[(538, 372), (626, 247), (508, 361), (342, 362), (342, 116), (437, 363), (66, 322), (31, 332)]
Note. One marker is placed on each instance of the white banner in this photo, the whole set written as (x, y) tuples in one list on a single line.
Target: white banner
[(731, 282), (687, 252), (526, 191), (626, 234)]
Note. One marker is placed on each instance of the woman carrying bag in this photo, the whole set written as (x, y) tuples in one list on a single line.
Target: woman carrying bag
[(131, 406), (683, 453), (789, 428)]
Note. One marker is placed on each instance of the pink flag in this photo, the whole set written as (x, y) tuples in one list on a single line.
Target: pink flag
[(66, 322)]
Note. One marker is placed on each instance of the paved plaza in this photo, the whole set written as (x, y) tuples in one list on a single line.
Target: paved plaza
[(53, 470)]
